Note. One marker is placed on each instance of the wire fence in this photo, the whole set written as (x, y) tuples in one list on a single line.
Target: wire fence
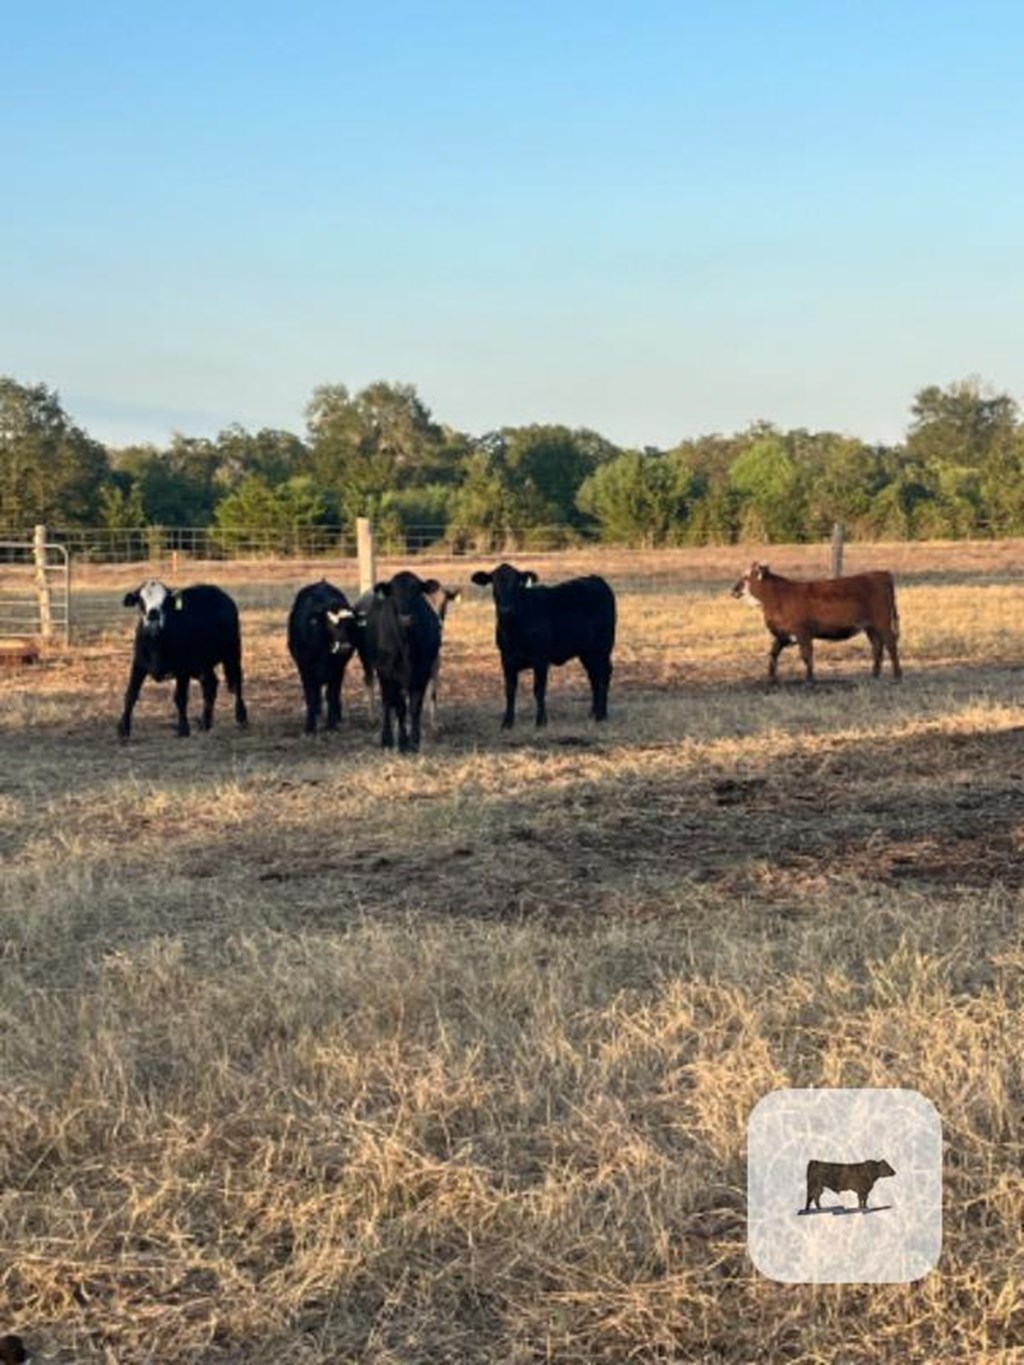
[(263, 576), (155, 544)]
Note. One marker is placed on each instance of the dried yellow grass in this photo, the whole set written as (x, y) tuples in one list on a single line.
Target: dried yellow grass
[(315, 1054)]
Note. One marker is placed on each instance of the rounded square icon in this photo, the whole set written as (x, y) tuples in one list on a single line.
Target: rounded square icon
[(844, 1186)]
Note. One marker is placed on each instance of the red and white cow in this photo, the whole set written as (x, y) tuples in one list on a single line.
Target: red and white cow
[(801, 611)]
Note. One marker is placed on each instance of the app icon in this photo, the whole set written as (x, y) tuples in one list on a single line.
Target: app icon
[(844, 1186)]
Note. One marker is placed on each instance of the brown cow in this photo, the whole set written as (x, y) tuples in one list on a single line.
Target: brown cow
[(800, 612)]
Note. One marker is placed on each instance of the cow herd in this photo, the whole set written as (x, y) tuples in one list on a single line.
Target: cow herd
[(396, 631)]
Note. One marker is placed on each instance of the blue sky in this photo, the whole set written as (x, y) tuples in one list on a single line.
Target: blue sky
[(654, 219)]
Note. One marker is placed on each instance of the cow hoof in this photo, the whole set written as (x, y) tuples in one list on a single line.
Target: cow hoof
[(507, 724)]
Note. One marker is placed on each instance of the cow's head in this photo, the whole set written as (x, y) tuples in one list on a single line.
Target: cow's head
[(341, 624), (507, 582), (442, 598), (746, 587), (154, 600), (882, 1168), (403, 590)]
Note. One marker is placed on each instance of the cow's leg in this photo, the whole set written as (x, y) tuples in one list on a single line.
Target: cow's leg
[(540, 687), (334, 699), (311, 689), (369, 684), (890, 644), (416, 700), (388, 706), (511, 683), (401, 715), (432, 693), (131, 696), (208, 683), (181, 702), (233, 678), (806, 643), (599, 671), (779, 643), (876, 651)]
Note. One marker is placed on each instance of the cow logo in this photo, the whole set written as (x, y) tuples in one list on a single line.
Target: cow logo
[(858, 1176), (807, 1154)]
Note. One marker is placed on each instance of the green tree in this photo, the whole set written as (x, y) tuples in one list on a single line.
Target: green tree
[(765, 477), (178, 485), (364, 446), (550, 463), (491, 509), (962, 424), (261, 519), (841, 482), (50, 469), (638, 499), (275, 456)]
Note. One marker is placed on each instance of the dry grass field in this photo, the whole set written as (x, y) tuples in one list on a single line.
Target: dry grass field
[(317, 1055)]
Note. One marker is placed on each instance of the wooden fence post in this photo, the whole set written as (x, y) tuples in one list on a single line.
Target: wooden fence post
[(838, 540), (367, 554), (42, 583)]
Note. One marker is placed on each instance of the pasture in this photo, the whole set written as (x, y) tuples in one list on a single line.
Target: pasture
[(310, 1053)]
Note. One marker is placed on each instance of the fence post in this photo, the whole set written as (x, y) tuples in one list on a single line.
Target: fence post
[(838, 540), (367, 554), (42, 583)]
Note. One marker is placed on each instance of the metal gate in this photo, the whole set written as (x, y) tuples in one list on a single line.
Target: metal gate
[(35, 591)]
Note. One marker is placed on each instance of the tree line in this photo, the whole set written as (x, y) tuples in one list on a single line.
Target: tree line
[(380, 453)]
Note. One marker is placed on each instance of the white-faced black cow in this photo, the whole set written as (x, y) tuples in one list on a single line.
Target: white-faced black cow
[(323, 634), (541, 626), (441, 598), (801, 611), (184, 635), (405, 638)]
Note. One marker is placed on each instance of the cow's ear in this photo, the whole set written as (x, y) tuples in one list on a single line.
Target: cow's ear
[(528, 578), (381, 589), (481, 578), (761, 570), (430, 586), (131, 599)]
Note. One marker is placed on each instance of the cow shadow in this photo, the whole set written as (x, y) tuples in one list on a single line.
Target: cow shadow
[(839, 1210)]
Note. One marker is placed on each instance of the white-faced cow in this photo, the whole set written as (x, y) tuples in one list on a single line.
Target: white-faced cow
[(541, 626), (404, 636), (801, 611), (323, 634), (441, 598), (184, 635)]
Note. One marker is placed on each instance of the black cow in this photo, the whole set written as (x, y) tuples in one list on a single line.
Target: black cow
[(184, 635), (440, 598), (404, 636), (323, 634), (538, 627), (859, 1176)]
